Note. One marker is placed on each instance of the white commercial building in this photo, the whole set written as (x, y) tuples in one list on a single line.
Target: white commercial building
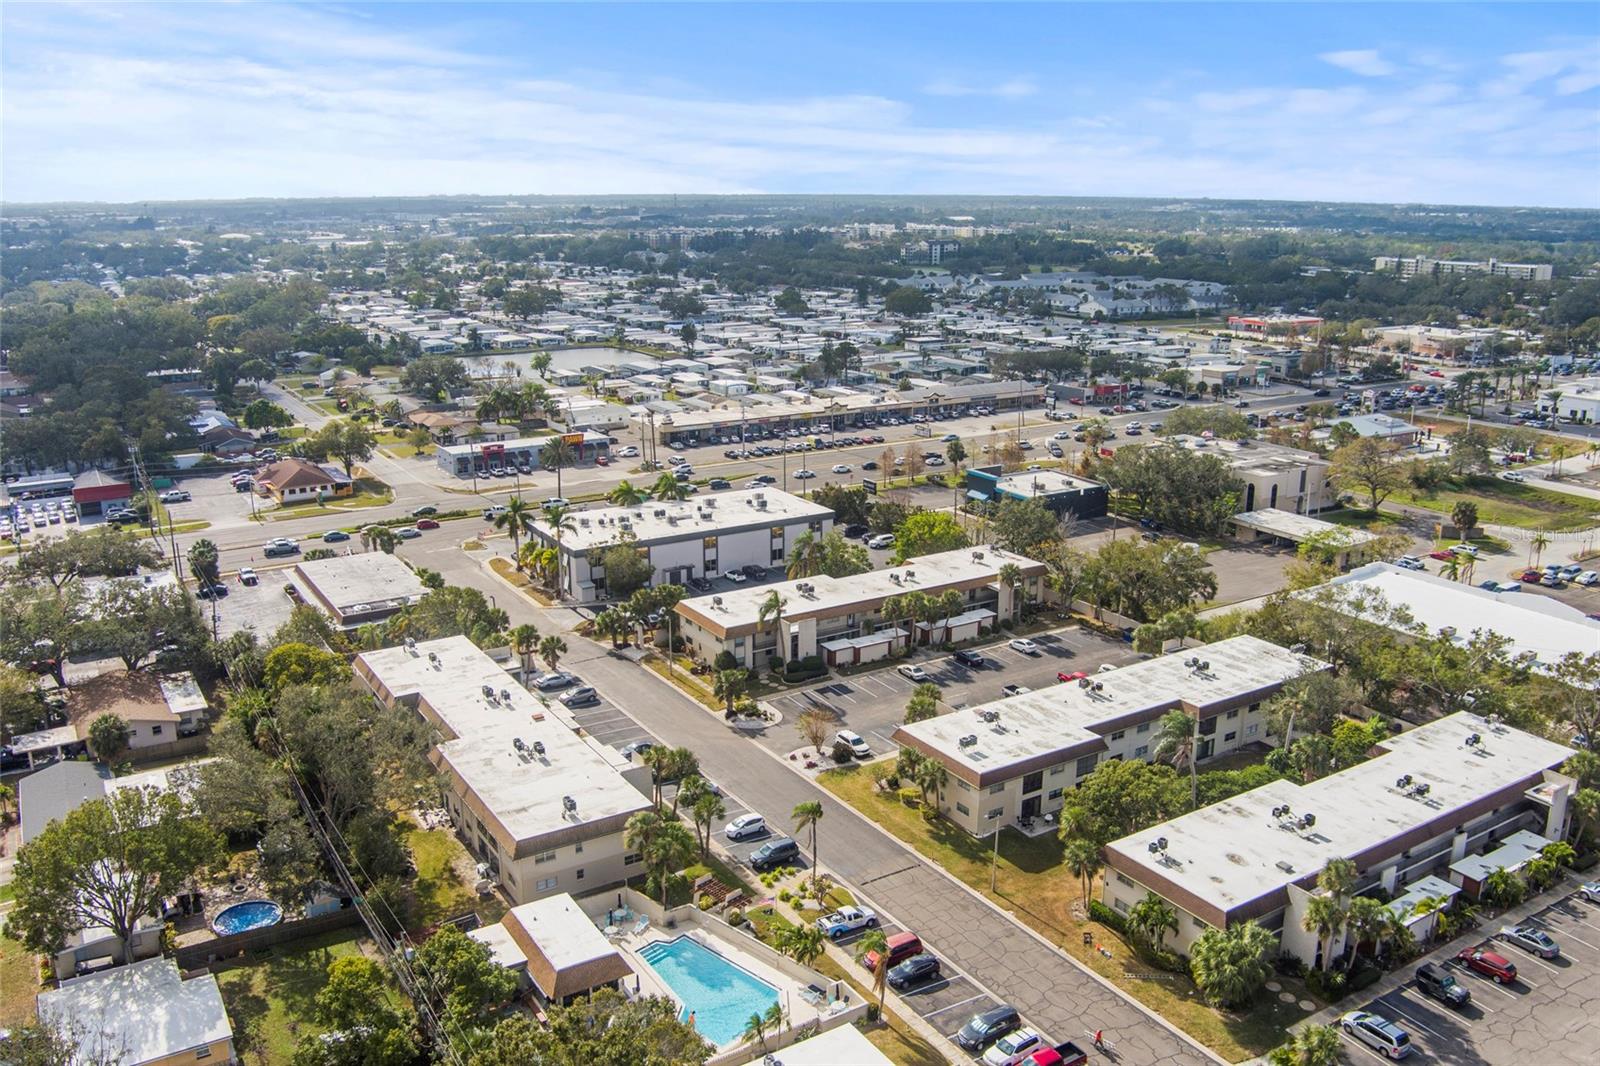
[(541, 804), (701, 537), (357, 589), (1538, 626), (1431, 797), (1345, 546), (1016, 758), (1578, 400), (848, 620), (1286, 479)]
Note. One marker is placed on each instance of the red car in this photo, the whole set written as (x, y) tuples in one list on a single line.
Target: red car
[(601, 460), (1531, 576), (1076, 675), (427, 523), (1498, 967), (1440, 555)]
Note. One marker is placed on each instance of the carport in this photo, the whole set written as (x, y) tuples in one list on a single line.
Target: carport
[(1345, 547), (852, 651)]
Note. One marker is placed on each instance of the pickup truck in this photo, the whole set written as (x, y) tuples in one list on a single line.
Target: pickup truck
[(1065, 1053), (846, 920)]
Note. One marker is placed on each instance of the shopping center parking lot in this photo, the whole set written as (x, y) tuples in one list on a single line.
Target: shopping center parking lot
[(874, 702), (1547, 1017)]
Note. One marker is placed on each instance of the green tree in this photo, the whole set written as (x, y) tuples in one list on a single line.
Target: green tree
[(771, 611), (1082, 859), (875, 944), (107, 863), (729, 685), (1314, 1045), (663, 844), (1150, 918), (447, 612), (790, 302), (802, 943), (264, 414), (1464, 516), (625, 495), (462, 976), (668, 487), (133, 622), (923, 704), (433, 377), (806, 816), (355, 1005), (346, 440), (551, 649), (517, 518), (1122, 796), (108, 737), (956, 453), (106, 552), (203, 561), (301, 664), (906, 301), (1018, 525), (705, 811), (927, 533), (557, 455), (603, 1027), (627, 568), (1230, 965), (380, 538), (1174, 744), (1324, 916), (1367, 465)]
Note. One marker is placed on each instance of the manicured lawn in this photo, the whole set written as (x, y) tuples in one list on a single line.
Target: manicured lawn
[(1032, 885), (269, 995), (369, 492), (1508, 504), (19, 983)]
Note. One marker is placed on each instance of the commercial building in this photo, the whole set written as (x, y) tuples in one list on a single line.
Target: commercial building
[(143, 1014), (357, 589), (1061, 493), (701, 537), (1578, 400), (1016, 758), (1429, 799), (96, 492), (1385, 428), (1414, 266), (1345, 547), (1540, 627), (540, 804), (1273, 476), (1270, 324), (299, 480), (860, 619), (482, 457)]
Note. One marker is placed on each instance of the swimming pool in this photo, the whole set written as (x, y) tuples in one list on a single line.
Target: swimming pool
[(720, 994), (251, 914)]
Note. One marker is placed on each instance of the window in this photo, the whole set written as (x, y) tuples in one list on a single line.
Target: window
[(1124, 879), (580, 873), (544, 856), (630, 860), (155, 731), (1120, 904), (1142, 751), (1118, 735), (1254, 707), (1055, 794), (578, 850), (1198, 924), (1251, 729), (546, 885), (1144, 727), (1054, 770), (1033, 782), (996, 813), (1087, 764), (961, 808), (1227, 738), (964, 786), (996, 788), (203, 1053), (1233, 713)]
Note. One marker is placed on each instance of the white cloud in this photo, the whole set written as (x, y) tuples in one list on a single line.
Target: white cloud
[(1363, 61), (1012, 89)]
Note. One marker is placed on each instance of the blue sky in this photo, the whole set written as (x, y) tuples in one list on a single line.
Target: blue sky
[(1469, 103)]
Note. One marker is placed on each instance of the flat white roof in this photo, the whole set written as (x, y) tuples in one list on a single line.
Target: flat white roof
[(827, 596), (503, 947), (663, 521), (1030, 483), (182, 693), (1234, 852), (1539, 626), (520, 789), (566, 936), (1070, 719), (843, 1045), (142, 1012), (354, 583), (1299, 527)]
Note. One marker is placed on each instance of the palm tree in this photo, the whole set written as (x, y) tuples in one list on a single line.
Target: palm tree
[(658, 759), (1324, 916), (1338, 876), (930, 776), (705, 811), (665, 845), (802, 943), (625, 495), (806, 557), (1537, 544), (551, 649), (1368, 921), (1315, 1045), (555, 455), (518, 518), (1230, 965), (875, 943), (756, 1029), (668, 487), (807, 815), (729, 685), (524, 642), (772, 609), (203, 561), (561, 521), (1150, 919), (380, 537), (1175, 744), (1083, 861), (1450, 569), (1010, 575)]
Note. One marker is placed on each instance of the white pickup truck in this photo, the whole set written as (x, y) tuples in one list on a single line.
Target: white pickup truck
[(846, 920)]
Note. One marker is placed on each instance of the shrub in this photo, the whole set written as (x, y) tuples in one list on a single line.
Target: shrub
[(726, 661), (705, 902), (841, 752), (736, 917), (1291, 965), (774, 663), (784, 896), (1106, 916), (911, 797)]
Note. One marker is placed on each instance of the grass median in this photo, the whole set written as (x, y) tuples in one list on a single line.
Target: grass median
[(1034, 887)]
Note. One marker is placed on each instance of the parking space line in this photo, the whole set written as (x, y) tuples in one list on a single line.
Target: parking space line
[(1580, 940), (1358, 1044), (1477, 980), (1413, 1021), (953, 1006), (1537, 961)]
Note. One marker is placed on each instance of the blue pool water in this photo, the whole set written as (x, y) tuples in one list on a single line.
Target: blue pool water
[(721, 994), (253, 914)]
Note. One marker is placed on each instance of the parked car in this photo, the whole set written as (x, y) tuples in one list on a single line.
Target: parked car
[(1076, 675), (1013, 1048), (899, 947), (1590, 890), (1025, 646), (846, 920), (1533, 940), (176, 496), (1513, 475), (914, 971), (881, 541), (971, 659), (1014, 690), (635, 748), (779, 852), (335, 536), (207, 591), (856, 742), (1570, 572), (912, 672), (424, 511), (248, 576), (841, 468), (1409, 562), (1377, 1032), (745, 826), (491, 513), (552, 681), (1489, 964), (803, 474), (986, 1027), (1065, 1053), (1588, 579), (1435, 981), (408, 532), (581, 696), (427, 523)]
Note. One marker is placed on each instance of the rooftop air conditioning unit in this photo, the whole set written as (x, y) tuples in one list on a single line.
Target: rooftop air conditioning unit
[(977, 557), (411, 645), (1307, 820), (1403, 782), (538, 747), (911, 575), (1285, 866), (517, 742), (488, 692), (569, 804), (505, 695), (716, 601), (433, 657)]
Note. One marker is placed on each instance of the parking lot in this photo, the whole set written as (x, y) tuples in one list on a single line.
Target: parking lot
[(874, 703), (262, 607), (1547, 1016)]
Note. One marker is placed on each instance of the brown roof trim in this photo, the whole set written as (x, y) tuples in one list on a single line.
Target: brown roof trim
[(1152, 881), (558, 984), (985, 778)]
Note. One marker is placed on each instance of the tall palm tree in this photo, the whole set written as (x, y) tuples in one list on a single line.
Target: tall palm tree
[(551, 649), (876, 943), (556, 455), (381, 538), (807, 556), (665, 845), (1368, 920), (1537, 544), (518, 518), (1083, 861), (658, 759), (524, 643), (756, 1029), (806, 816), (802, 943), (561, 521), (1339, 877), (1010, 575), (1150, 919), (668, 487), (1324, 916), (706, 810), (1174, 744), (625, 495), (203, 561), (771, 609)]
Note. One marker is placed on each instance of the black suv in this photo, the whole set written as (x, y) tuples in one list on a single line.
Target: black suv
[(969, 658), (984, 1029), (855, 531), (913, 971), (1434, 981), (774, 853)]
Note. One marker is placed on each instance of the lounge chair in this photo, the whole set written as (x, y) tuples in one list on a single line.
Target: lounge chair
[(641, 925)]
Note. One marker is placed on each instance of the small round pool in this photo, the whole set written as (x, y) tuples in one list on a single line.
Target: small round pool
[(251, 914)]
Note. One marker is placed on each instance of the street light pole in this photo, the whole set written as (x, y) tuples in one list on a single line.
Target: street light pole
[(994, 861)]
